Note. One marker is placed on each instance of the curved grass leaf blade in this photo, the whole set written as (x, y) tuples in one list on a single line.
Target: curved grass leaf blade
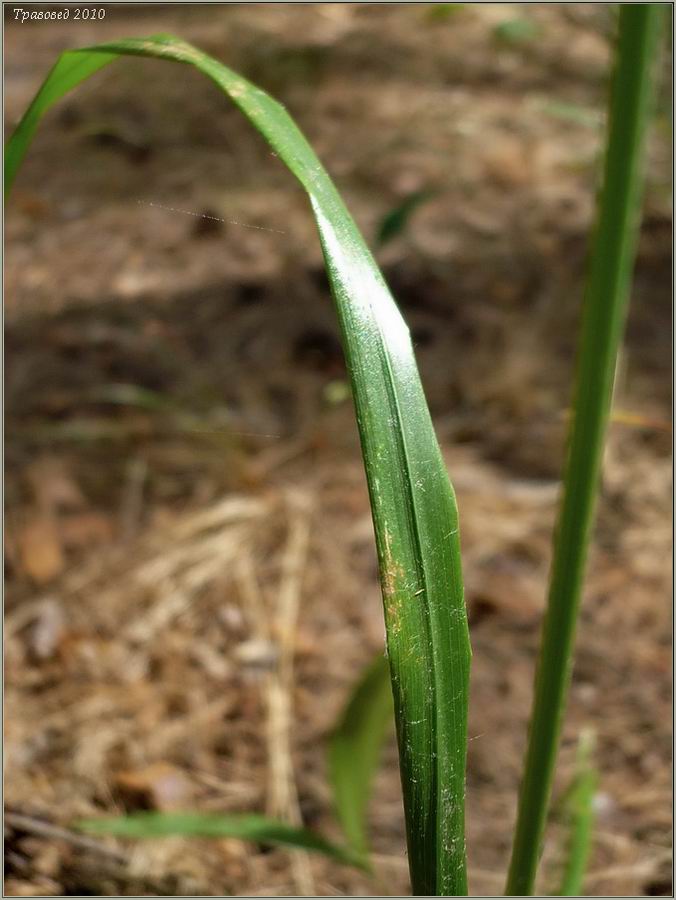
[(413, 504), (247, 827), (354, 749), (70, 69)]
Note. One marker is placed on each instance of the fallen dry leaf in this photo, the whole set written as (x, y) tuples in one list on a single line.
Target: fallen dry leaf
[(85, 529), (159, 786), (53, 486), (40, 552)]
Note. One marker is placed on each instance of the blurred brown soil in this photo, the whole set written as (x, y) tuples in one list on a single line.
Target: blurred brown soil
[(182, 464)]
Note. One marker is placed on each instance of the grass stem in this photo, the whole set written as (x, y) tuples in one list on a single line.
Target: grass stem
[(602, 326)]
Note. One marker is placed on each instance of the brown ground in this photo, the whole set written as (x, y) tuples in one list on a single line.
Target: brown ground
[(157, 543)]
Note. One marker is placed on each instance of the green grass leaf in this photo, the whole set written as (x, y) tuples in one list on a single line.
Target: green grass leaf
[(579, 810), (603, 319), (395, 222), (413, 504), (246, 827), (354, 749), (573, 112), (441, 12), (516, 32)]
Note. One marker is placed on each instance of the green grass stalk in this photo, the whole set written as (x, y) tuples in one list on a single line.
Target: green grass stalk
[(602, 326)]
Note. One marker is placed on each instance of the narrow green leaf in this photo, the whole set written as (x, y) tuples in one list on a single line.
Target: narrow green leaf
[(396, 221), (413, 504), (355, 746), (573, 112), (69, 71), (580, 813), (602, 326), (441, 12), (516, 31), (246, 827)]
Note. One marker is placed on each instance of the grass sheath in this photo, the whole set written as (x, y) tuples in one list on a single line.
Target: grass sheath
[(605, 304), (412, 501)]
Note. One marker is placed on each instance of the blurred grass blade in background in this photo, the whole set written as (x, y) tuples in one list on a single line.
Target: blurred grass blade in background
[(604, 310), (394, 222), (413, 504), (353, 759), (246, 827), (354, 750), (580, 814)]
